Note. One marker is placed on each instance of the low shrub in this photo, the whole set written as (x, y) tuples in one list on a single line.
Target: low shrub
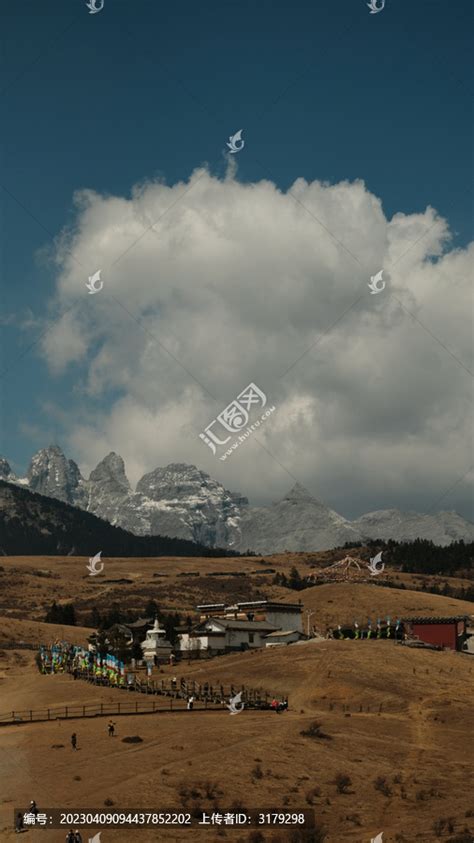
[(383, 786), (212, 790), (439, 826), (314, 731), (464, 836), (342, 782), (307, 835), (196, 810)]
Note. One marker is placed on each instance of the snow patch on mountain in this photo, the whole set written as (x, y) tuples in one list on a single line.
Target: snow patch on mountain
[(181, 501)]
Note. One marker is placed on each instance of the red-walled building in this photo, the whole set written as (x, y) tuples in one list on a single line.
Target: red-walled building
[(446, 632)]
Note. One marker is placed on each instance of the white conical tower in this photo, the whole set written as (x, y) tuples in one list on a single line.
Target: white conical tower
[(156, 644)]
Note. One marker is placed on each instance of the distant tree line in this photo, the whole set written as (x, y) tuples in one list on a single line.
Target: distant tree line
[(418, 557), (109, 639), (294, 581), (114, 641), (64, 614), (115, 615), (421, 556), (424, 557)]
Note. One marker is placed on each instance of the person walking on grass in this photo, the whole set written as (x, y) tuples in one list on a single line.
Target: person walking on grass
[(111, 729), (190, 703), (70, 836), (19, 827), (74, 740), (77, 836)]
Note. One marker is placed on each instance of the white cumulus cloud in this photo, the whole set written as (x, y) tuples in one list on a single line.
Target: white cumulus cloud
[(210, 284)]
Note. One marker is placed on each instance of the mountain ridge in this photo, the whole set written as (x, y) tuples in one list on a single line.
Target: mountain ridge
[(182, 501), (31, 523)]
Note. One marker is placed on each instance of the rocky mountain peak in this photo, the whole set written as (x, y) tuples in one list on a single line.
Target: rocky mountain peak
[(182, 501), (173, 480), (5, 469), (111, 470), (299, 493), (50, 473)]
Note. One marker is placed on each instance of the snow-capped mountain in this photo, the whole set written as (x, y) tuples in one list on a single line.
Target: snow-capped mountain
[(298, 522), (441, 528), (181, 497), (182, 501), (178, 501)]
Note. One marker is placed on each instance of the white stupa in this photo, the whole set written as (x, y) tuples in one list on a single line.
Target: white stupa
[(156, 644)]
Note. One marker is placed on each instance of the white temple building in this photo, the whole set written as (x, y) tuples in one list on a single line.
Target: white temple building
[(156, 647)]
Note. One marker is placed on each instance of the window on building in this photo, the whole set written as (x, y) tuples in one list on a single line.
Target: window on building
[(251, 637)]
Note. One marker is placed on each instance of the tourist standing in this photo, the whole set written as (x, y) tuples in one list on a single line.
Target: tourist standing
[(111, 729), (74, 740)]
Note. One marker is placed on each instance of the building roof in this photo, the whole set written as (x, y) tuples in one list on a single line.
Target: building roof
[(230, 623), (269, 604), (252, 604), (453, 619), (207, 633), (117, 627), (141, 622), (281, 632)]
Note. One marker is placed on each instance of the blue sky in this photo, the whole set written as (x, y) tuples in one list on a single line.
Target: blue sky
[(142, 90)]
